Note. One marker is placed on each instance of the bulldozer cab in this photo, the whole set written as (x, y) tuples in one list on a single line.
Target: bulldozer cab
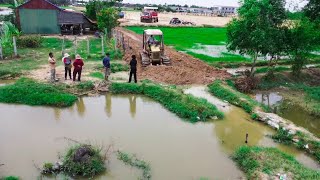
[(153, 41), (153, 48)]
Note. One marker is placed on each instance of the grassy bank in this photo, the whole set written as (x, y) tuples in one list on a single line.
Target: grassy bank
[(26, 91), (266, 163), (10, 178), (185, 106), (31, 59), (300, 140), (308, 94), (227, 93)]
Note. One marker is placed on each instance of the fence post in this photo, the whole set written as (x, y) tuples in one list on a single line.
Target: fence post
[(15, 46), (75, 45), (115, 40), (1, 55), (63, 40), (88, 46), (102, 45)]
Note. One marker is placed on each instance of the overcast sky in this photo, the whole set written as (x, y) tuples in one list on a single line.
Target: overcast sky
[(207, 3)]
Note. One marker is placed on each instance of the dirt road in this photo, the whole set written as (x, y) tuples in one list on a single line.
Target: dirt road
[(185, 69), (133, 18)]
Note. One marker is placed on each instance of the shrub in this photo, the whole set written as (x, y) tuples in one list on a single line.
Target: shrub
[(26, 91), (88, 85), (283, 136), (32, 41), (83, 160), (10, 178)]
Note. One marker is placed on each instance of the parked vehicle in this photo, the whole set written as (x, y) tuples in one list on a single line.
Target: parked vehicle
[(149, 15)]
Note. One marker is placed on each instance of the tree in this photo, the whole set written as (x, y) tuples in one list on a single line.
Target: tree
[(108, 18), (259, 30), (95, 6), (302, 38), (312, 10)]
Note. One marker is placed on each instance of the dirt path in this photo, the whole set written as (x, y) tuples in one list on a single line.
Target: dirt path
[(185, 69)]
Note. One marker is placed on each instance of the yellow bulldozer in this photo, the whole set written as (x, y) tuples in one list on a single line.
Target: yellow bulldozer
[(153, 48)]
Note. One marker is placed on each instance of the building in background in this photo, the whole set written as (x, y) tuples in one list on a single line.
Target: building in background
[(43, 17)]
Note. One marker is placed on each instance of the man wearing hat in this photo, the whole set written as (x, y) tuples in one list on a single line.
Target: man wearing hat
[(67, 65), (106, 64), (77, 64)]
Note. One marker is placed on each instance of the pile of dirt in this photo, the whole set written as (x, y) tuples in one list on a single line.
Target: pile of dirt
[(185, 69)]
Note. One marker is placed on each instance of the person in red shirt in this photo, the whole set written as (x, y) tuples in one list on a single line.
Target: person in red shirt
[(77, 64)]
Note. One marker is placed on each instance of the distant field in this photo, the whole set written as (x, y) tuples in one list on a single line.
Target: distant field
[(5, 5), (207, 44)]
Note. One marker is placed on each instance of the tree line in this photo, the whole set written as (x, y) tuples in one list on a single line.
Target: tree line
[(264, 28)]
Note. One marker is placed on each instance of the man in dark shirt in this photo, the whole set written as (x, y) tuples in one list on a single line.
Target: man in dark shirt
[(106, 64), (133, 69)]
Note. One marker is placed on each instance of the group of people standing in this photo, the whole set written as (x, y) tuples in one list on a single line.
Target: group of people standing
[(78, 64), (66, 60)]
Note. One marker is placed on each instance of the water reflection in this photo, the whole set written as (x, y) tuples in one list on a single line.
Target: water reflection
[(269, 98), (81, 107), (133, 105), (57, 114), (108, 107)]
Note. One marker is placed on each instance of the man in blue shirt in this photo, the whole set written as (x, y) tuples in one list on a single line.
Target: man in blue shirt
[(106, 64)]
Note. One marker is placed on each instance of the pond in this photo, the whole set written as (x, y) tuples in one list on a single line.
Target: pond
[(290, 111), (174, 148)]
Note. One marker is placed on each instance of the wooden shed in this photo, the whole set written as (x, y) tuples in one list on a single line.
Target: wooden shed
[(43, 17)]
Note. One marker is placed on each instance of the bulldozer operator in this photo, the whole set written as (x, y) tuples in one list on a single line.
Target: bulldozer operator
[(152, 41)]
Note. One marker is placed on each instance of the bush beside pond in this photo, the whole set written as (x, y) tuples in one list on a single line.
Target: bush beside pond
[(26, 91), (268, 163), (185, 106)]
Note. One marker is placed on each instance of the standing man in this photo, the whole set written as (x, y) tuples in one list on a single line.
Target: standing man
[(67, 65), (77, 64), (52, 64), (106, 64), (133, 69)]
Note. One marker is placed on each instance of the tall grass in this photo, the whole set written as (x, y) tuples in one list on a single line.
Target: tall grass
[(185, 106), (26, 91), (258, 161), (232, 96)]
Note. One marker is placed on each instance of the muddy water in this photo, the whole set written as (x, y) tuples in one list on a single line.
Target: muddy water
[(174, 148), (135, 124), (300, 117), (290, 111)]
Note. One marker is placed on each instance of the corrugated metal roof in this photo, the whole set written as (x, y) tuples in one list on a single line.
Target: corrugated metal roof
[(150, 32)]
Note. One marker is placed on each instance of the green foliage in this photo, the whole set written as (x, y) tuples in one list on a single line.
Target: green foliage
[(302, 39), (95, 6), (254, 116), (276, 69), (31, 41), (93, 165), (98, 75), (133, 161), (270, 161), (218, 90), (117, 67), (10, 178), (47, 166), (295, 15), (108, 19), (87, 85), (283, 136), (258, 30), (180, 39), (185, 106), (26, 91), (7, 32), (312, 10)]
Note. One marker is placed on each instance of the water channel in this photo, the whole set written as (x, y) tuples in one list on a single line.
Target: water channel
[(174, 148)]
